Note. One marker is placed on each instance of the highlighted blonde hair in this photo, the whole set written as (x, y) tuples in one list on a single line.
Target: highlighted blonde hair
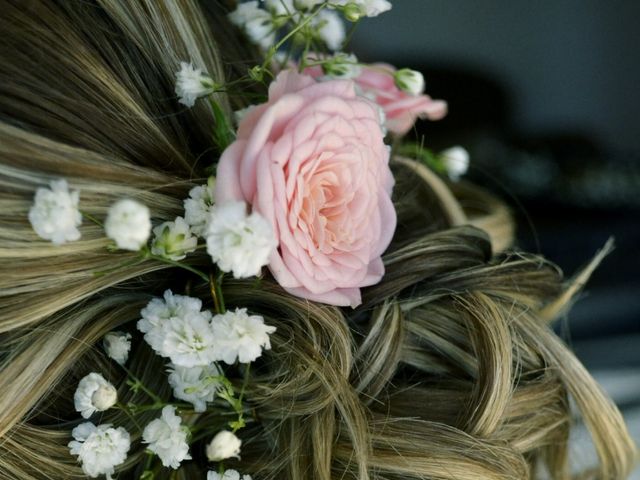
[(448, 371)]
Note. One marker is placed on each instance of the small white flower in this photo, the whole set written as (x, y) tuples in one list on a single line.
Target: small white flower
[(456, 162), (239, 242), (173, 240), (224, 445), (192, 84), (240, 336), (227, 475), (159, 311), (196, 385), (368, 8), (409, 81), (54, 215), (128, 224), (197, 206), (257, 23), (100, 449), (177, 329), (94, 394), (167, 438), (188, 340), (330, 29), (342, 66), (117, 345)]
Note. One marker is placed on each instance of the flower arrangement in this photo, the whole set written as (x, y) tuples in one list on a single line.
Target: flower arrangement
[(303, 187)]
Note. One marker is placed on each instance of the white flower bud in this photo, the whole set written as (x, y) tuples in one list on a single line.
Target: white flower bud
[(94, 394), (341, 66), (352, 12), (455, 161), (409, 81), (128, 224), (224, 445), (104, 397)]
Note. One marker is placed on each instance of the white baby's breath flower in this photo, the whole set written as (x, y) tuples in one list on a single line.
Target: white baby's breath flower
[(173, 240), (240, 336), (238, 242), (100, 449), (196, 385), (159, 311), (54, 215), (224, 445), (192, 84), (256, 22), (368, 8), (330, 29), (342, 66), (227, 475), (176, 328), (167, 438), (409, 81), (94, 394), (117, 345), (456, 162), (188, 340), (197, 206), (128, 224)]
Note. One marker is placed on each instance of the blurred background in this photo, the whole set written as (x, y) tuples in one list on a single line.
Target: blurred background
[(544, 95)]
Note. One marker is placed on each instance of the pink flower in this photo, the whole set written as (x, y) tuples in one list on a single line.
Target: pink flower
[(312, 161), (401, 109)]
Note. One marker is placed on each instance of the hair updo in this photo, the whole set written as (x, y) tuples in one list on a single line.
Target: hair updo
[(448, 370)]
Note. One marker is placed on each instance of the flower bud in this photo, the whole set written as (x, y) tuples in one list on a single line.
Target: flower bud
[(352, 12), (104, 397), (341, 66), (224, 445), (409, 81), (256, 73)]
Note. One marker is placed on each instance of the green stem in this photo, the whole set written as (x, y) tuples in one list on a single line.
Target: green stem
[(142, 386), (215, 285), (92, 218)]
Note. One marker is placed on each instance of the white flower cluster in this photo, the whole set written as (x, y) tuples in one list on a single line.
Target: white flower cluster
[(238, 242), (262, 25), (117, 345), (178, 329), (128, 223), (227, 475), (192, 84), (54, 215), (196, 385), (167, 438), (198, 205), (100, 448)]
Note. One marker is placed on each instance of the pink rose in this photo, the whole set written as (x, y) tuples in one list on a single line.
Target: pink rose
[(312, 161), (400, 108)]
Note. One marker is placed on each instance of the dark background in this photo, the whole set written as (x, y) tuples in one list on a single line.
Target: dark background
[(545, 97)]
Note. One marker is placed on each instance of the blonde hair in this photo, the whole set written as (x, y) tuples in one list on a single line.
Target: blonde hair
[(448, 371)]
